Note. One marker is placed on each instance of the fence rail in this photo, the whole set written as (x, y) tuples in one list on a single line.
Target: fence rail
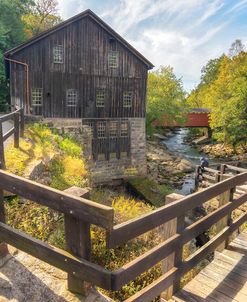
[(80, 213), (17, 130)]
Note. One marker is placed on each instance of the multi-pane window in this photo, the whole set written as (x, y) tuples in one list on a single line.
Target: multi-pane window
[(113, 59), (101, 129), (113, 129), (127, 99), (58, 54), (72, 98), (100, 98), (37, 97), (124, 129)]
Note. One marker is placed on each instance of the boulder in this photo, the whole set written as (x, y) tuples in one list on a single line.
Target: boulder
[(185, 166)]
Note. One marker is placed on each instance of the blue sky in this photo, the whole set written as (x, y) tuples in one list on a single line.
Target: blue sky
[(184, 34)]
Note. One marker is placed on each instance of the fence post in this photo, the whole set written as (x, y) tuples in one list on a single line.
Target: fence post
[(2, 159), (217, 177), (22, 122), (3, 245), (223, 199), (168, 230), (17, 130), (197, 177), (78, 242)]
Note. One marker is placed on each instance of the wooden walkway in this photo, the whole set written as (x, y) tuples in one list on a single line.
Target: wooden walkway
[(223, 280)]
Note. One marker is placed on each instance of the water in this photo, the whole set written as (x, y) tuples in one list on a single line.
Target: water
[(177, 145)]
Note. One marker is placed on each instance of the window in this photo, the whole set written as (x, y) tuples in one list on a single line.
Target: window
[(58, 54), (100, 98), (37, 97), (113, 129), (101, 129), (127, 99), (72, 98), (124, 129), (113, 59)]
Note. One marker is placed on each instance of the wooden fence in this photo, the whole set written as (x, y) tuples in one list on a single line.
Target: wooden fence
[(80, 213), (17, 130), (211, 176)]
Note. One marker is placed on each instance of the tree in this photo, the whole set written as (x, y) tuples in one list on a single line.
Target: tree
[(11, 34), (236, 48), (165, 97), (43, 14)]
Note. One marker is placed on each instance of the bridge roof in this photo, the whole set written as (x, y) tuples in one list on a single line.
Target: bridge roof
[(200, 110)]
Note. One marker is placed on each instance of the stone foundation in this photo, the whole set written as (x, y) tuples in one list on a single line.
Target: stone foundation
[(104, 171)]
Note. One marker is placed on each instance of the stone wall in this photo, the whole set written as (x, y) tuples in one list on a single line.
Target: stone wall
[(105, 171)]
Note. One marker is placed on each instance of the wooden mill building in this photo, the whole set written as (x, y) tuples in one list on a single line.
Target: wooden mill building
[(82, 74)]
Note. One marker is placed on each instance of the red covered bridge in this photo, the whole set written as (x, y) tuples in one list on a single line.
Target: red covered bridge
[(197, 117)]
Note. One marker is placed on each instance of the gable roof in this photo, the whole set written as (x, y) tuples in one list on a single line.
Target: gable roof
[(86, 13)]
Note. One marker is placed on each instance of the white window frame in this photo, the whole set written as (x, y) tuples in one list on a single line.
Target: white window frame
[(37, 97), (113, 129), (101, 129), (72, 97), (113, 59), (100, 98), (124, 129), (127, 99), (58, 54)]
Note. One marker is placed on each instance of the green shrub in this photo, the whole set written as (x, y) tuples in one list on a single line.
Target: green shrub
[(69, 147)]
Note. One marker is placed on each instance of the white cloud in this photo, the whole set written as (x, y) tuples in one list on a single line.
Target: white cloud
[(179, 33), (69, 8)]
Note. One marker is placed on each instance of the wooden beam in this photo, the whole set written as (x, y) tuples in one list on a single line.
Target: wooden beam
[(154, 289), (2, 159), (78, 242), (128, 230), (8, 134), (73, 206), (169, 229), (3, 245), (7, 117), (17, 130), (79, 268), (144, 262)]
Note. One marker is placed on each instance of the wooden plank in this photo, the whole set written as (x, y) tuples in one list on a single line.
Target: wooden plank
[(154, 289), (142, 263), (168, 230), (135, 227), (7, 117), (209, 293), (17, 130), (231, 280), (211, 245), (22, 122), (3, 245), (209, 177), (2, 159), (211, 170), (60, 201), (223, 287), (8, 134), (234, 168), (80, 268), (78, 242)]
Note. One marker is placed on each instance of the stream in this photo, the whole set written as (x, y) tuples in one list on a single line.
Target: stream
[(176, 145)]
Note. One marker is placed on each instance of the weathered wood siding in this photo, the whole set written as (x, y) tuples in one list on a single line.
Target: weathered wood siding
[(85, 68)]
